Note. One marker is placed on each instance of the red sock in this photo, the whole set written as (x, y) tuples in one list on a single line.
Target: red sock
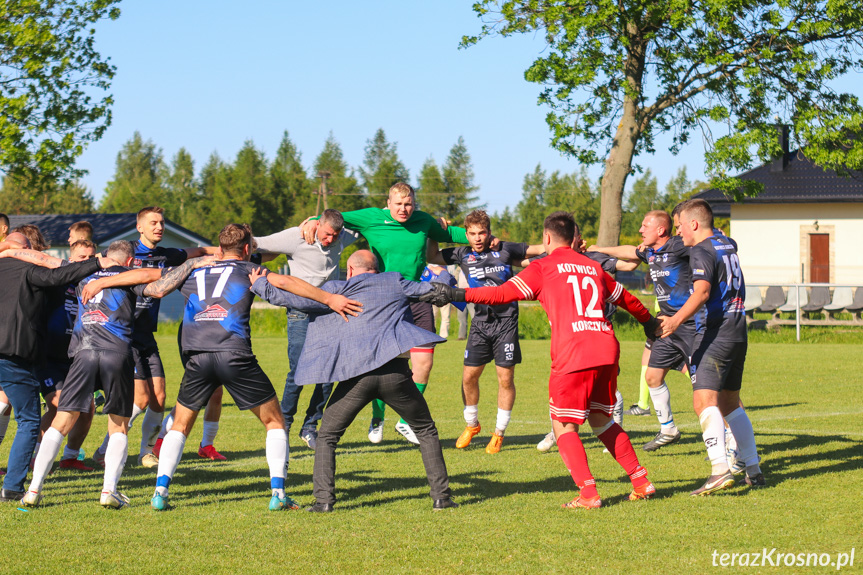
[(572, 452), (617, 442)]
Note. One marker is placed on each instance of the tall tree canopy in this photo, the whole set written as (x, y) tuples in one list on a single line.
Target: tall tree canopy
[(619, 72), (52, 82)]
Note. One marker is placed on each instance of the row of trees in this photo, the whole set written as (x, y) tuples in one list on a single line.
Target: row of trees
[(270, 194), (543, 193), (274, 194)]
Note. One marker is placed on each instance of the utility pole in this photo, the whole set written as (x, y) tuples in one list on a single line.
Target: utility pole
[(323, 175)]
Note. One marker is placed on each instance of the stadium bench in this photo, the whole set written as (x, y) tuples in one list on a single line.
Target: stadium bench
[(856, 306)]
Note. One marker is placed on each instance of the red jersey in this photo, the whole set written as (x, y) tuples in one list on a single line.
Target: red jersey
[(573, 291)]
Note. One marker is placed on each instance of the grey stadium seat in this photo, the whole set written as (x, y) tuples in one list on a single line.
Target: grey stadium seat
[(818, 298), (753, 299), (790, 305), (856, 305), (842, 298), (774, 298)]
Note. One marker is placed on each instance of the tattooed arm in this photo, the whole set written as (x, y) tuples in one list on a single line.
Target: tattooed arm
[(34, 257), (175, 277)]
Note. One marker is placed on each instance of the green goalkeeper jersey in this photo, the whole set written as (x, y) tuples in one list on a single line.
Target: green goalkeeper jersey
[(401, 247)]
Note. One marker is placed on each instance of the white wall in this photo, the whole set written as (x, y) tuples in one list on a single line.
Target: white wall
[(773, 240)]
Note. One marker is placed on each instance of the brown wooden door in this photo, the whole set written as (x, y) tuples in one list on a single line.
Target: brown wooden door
[(819, 258)]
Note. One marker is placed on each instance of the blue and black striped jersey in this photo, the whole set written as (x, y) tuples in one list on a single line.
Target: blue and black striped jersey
[(105, 323), (715, 260), (218, 305)]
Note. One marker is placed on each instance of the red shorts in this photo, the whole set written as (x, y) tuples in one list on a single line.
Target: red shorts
[(573, 396)]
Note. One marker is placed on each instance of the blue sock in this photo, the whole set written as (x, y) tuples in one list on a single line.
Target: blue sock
[(162, 484), (278, 486)]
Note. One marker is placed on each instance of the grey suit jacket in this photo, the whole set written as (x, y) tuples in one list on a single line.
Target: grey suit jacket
[(336, 350)]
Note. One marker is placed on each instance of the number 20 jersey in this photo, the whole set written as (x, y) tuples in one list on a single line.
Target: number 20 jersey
[(715, 260), (218, 304)]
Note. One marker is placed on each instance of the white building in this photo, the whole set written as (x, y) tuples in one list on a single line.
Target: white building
[(806, 226)]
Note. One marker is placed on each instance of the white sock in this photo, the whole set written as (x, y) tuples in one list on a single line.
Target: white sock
[(661, 398), (742, 430), (617, 412), (211, 428), (51, 442), (136, 411), (36, 449), (169, 457), (115, 460), (714, 439), (4, 421), (503, 417), (69, 453), (167, 424), (471, 415), (150, 430), (277, 454)]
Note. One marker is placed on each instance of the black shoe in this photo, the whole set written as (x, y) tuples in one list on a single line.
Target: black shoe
[(320, 508), (635, 409), (757, 481), (444, 504), (661, 440), (8, 495)]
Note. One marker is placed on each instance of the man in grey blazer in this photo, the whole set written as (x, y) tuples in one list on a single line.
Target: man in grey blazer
[(369, 357)]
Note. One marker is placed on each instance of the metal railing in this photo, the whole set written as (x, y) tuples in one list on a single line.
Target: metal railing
[(797, 293)]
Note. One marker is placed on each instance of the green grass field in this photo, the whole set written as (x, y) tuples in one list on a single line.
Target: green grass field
[(804, 401)]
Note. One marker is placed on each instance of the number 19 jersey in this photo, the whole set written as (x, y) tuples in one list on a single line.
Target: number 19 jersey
[(715, 260), (218, 304)]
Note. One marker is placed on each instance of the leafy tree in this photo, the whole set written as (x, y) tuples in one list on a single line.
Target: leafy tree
[(643, 198), (140, 178), (51, 79), (619, 72), (381, 167), (345, 194), (23, 194)]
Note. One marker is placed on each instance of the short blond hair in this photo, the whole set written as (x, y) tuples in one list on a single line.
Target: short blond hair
[(402, 189)]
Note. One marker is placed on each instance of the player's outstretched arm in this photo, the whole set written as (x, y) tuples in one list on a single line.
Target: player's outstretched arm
[(125, 279), (296, 293), (433, 253), (619, 252), (626, 265), (198, 252), (174, 278), (621, 297), (34, 257), (699, 296)]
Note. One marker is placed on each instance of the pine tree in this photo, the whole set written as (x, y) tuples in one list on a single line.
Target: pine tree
[(458, 179), (346, 193), (432, 193), (139, 178), (381, 167), (291, 185)]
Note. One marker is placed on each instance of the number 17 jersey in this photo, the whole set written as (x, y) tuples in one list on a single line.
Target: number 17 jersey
[(218, 305)]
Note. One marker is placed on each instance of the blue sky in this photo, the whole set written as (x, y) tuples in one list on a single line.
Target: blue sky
[(209, 76)]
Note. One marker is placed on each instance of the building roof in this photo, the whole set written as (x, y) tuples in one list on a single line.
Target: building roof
[(793, 179), (106, 227)]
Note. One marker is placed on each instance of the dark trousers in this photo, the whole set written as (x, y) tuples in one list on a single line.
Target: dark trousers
[(393, 384)]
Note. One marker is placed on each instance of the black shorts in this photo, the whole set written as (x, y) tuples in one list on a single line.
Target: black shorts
[(51, 376), (422, 314), (94, 369), (679, 366), (148, 362), (238, 371), (670, 352), (497, 340), (718, 365)]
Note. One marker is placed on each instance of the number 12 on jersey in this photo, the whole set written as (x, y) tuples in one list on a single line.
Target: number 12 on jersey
[(201, 280), (594, 306)]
